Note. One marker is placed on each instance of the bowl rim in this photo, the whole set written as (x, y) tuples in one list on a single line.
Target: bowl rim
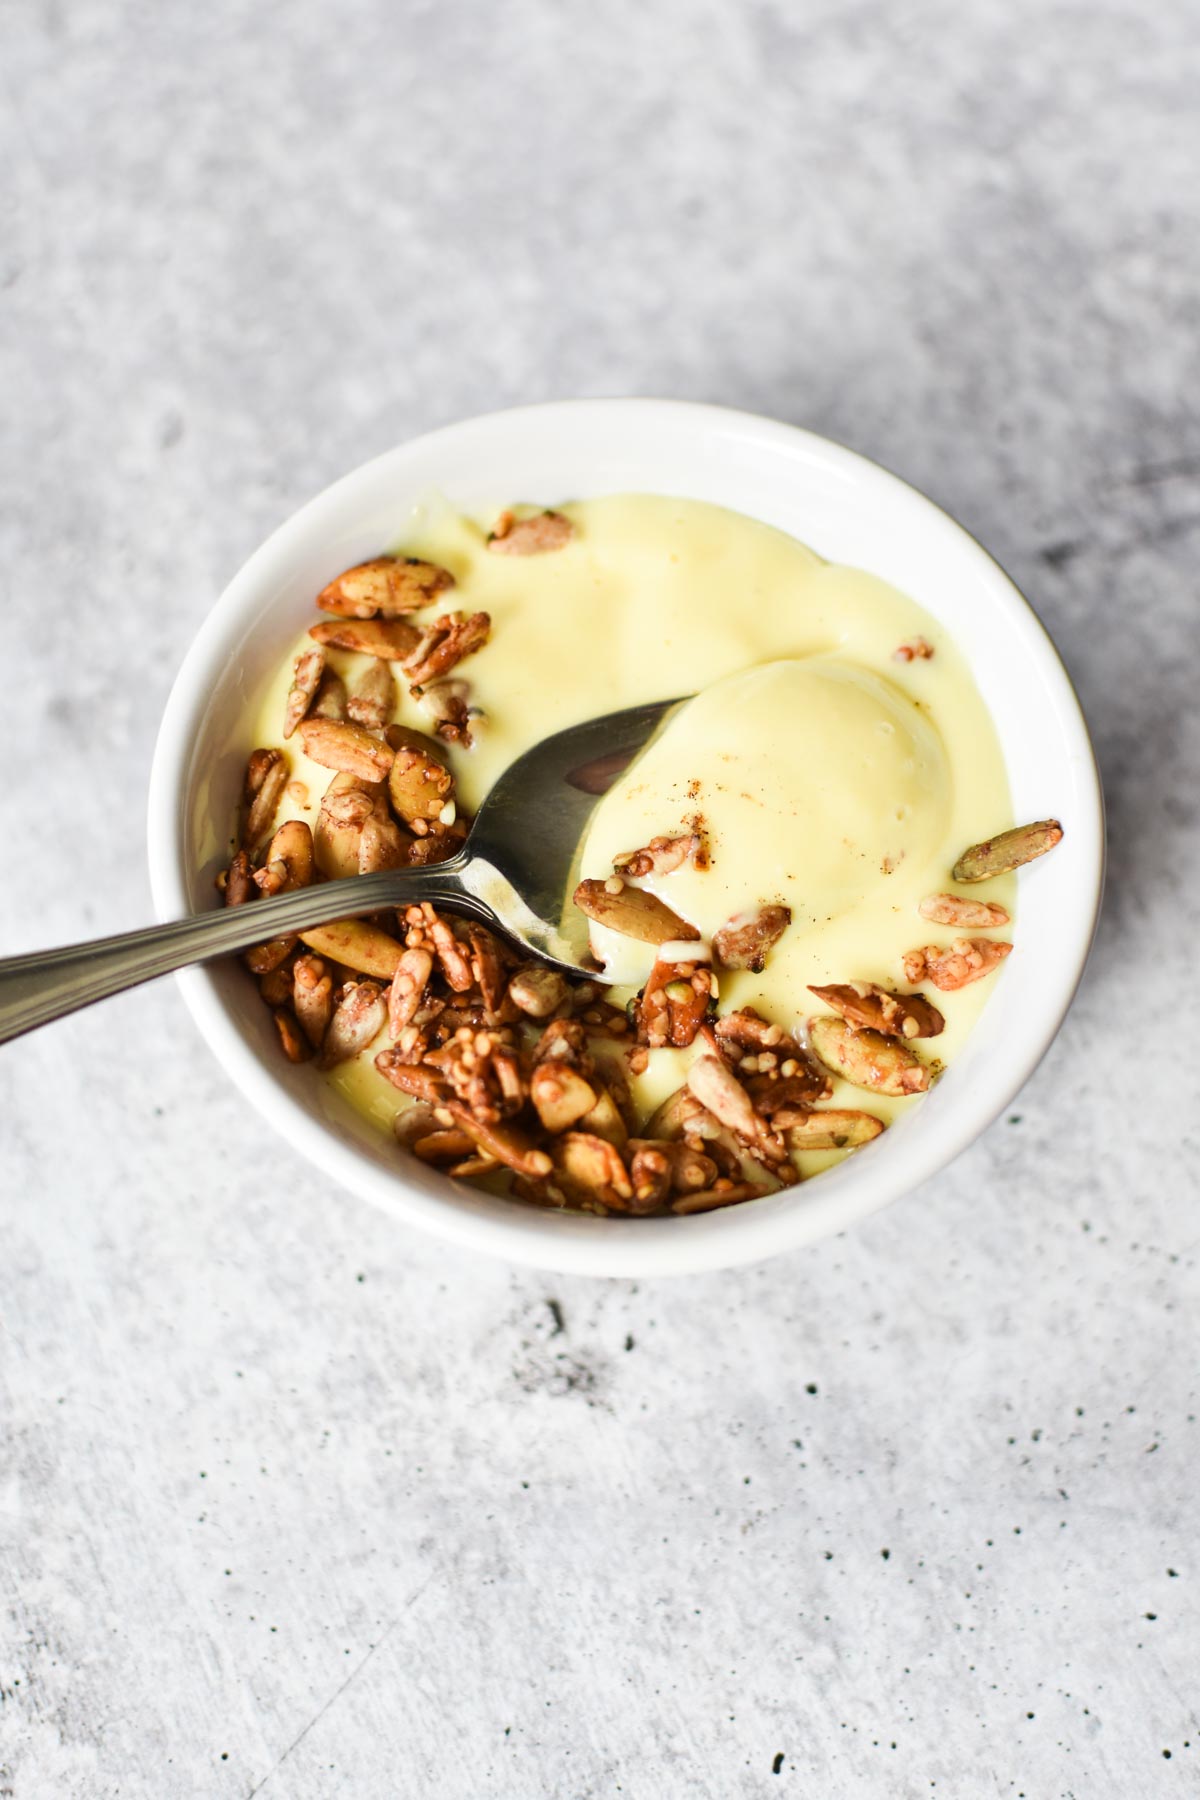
[(522, 1234)]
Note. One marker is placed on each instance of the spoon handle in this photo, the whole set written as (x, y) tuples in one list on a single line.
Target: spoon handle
[(49, 983)]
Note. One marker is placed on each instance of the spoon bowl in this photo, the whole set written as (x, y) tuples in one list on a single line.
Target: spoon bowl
[(513, 874), (520, 858)]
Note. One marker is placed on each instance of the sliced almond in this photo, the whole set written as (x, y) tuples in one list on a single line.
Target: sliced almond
[(585, 1161), (407, 737), (312, 997), (966, 960), (479, 1164), (968, 915), (746, 940), (511, 536), (413, 1122), (412, 1078), (720, 1091), (310, 666), (381, 844), (505, 1142), (263, 958), (831, 1128), (633, 912), (359, 945), (387, 585), (605, 1120), (393, 639), (537, 991), (443, 1145), (289, 862), (419, 785), (295, 1047), (661, 856), (357, 1019), (724, 1096), (331, 700), (239, 881), (560, 1095), (871, 1008), (1012, 849), (447, 641), (372, 699), (266, 778), (347, 748), (408, 989), (867, 1059), (345, 807), (276, 986), (487, 966), (669, 1119)]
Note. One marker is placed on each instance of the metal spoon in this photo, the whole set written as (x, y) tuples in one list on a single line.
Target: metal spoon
[(512, 874)]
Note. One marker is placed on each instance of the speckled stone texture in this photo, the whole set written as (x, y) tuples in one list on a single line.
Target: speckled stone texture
[(295, 1504)]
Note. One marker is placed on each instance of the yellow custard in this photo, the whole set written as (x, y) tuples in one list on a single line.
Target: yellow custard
[(829, 775)]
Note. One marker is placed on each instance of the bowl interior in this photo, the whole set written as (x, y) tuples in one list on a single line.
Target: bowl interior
[(848, 510)]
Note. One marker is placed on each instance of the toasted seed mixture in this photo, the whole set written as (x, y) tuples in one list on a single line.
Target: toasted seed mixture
[(504, 1070)]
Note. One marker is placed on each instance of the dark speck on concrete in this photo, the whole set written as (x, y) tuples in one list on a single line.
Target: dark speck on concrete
[(1057, 556), (777, 1765), (556, 1313), (811, 1387)]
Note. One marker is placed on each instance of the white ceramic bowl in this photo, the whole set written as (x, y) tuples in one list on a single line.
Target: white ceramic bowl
[(850, 511)]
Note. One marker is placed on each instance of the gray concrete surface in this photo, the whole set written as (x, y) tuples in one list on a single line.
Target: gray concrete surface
[(295, 1504)]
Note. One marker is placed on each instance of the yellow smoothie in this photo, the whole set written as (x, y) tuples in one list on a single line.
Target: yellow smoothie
[(830, 776)]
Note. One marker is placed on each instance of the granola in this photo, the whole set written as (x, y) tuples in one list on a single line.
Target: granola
[(503, 1070), (306, 680), (386, 587), (511, 536), (969, 915), (373, 697), (868, 1059), (746, 940), (964, 961), (1011, 850)]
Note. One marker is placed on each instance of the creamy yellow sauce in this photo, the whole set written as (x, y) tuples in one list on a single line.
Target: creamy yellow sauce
[(829, 775)]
